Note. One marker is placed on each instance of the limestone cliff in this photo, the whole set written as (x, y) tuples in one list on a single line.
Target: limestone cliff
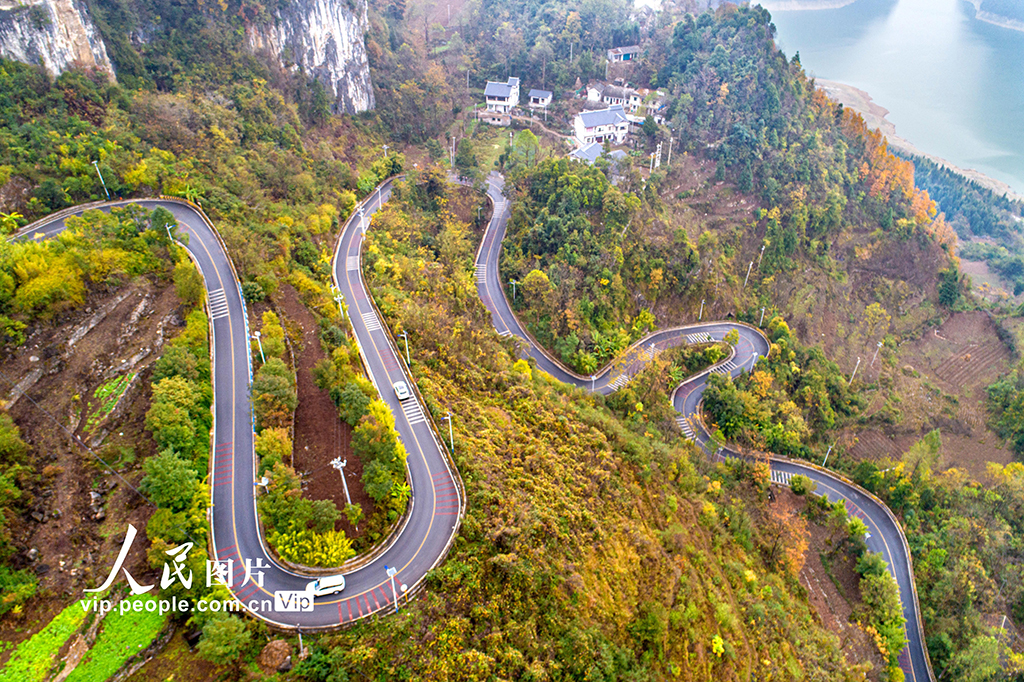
[(56, 33), (325, 38)]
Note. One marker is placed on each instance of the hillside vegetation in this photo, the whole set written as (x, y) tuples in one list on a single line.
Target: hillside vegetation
[(593, 548)]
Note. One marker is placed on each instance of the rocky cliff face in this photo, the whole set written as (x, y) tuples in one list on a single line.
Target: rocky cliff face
[(56, 33), (325, 38)]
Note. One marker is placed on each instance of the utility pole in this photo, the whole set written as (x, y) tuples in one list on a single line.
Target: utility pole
[(747, 278), (385, 151), (701, 315), (260, 344), (96, 165), (854, 372), (514, 282), (339, 464), (405, 335), (670, 141), (876, 352)]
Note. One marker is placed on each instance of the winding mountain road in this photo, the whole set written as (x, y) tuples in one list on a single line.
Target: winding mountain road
[(437, 501), (885, 534)]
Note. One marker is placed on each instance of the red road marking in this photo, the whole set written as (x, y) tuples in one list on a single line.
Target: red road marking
[(348, 605), (341, 619), (387, 599), (248, 591), (360, 607), (375, 602)]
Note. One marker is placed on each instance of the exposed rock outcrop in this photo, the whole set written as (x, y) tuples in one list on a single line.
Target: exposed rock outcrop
[(325, 38), (56, 33)]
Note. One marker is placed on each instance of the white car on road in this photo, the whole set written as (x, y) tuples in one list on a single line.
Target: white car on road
[(402, 391)]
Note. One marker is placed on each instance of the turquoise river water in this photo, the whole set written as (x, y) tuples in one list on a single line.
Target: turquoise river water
[(954, 85)]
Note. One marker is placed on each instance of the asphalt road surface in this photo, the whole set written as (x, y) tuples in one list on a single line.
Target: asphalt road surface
[(436, 501), (885, 535)]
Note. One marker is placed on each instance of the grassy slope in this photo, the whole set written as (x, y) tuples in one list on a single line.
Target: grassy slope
[(592, 546)]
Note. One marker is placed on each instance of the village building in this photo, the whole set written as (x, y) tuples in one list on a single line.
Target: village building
[(623, 54), (540, 98), (502, 97), (604, 124)]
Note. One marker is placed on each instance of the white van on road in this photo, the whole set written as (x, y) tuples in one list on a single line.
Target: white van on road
[(330, 584)]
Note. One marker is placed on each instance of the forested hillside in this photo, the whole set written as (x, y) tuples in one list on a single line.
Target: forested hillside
[(598, 544)]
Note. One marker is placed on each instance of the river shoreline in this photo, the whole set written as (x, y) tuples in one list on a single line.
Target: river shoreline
[(996, 19), (875, 117)]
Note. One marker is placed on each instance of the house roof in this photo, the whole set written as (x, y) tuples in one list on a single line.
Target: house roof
[(626, 49), (588, 153), (540, 94), (494, 89), (603, 117), (618, 91)]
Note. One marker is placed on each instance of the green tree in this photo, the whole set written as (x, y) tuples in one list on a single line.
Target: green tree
[(170, 481), (188, 283), (224, 639)]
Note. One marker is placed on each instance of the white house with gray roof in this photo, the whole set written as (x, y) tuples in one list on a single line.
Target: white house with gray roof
[(540, 98), (502, 97), (604, 124)]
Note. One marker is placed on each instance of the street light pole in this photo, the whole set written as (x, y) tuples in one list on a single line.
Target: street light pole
[(761, 323), (362, 220), (514, 282), (592, 377), (854, 372), (701, 315), (385, 151), (96, 165), (339, 464), (760, 257), (826, 455), (391, 574), (451, 436), (405, 335), (876, 352), (749, 267), (260, 344), (670, 141), (339, 299)]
